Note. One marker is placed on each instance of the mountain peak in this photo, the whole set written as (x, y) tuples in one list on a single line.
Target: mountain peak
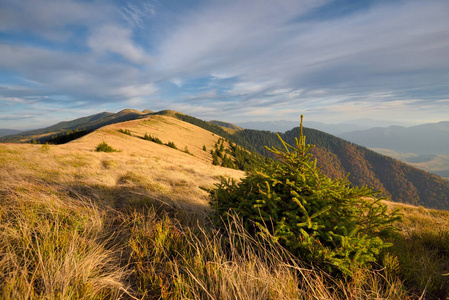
[(129, 111)]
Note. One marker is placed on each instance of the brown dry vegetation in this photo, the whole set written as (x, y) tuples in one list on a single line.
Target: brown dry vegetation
[(75, 223)]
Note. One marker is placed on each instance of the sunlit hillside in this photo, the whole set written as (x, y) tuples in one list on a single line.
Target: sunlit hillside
[(148, 167), (77, 223)]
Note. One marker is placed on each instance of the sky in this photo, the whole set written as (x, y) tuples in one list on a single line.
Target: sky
[(229, 60)]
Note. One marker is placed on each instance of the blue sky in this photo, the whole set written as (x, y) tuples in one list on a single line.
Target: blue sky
[(232, 60)]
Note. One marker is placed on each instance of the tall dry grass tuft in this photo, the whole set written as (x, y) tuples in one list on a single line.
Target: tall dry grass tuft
[(172, 261), (56, 249)]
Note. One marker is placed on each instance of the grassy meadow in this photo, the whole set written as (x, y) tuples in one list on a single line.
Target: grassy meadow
[(133, 224)]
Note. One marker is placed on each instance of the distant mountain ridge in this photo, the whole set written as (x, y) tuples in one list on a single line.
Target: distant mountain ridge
[(283, 126), (226, 125), (430, 138), (5, 131)]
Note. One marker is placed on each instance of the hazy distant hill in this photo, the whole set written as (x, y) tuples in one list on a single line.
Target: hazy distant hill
[(88, 123), (283, 126), (4, 131), (226, 125), (420, 139)]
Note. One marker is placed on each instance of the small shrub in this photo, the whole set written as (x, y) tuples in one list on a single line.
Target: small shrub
[(319, 219), (152, 139), (104, 147), (186, 150), (171, 145), (45, 148), (125, 131)]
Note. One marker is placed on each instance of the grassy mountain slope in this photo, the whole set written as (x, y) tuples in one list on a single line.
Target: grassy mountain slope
[(225, 124), (229, 127), (168, 166), (76, 223)]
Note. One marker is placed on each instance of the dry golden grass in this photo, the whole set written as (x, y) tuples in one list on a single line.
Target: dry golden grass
[(76, 223), (58, 218), (166, 128), (418, 218), (146, 168), (422, 250)]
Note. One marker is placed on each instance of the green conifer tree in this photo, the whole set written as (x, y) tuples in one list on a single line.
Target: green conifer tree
[(322, 220)]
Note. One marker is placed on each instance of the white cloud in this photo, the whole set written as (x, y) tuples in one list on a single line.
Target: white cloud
[(114, 39), (224, 32), (133, 91), (245, 88), (177, 81), (11, 100), (219, 76), (78, 76)]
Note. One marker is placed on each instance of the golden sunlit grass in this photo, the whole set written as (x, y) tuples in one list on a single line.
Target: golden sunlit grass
[(76, 223), (423, 249), (55, 247)]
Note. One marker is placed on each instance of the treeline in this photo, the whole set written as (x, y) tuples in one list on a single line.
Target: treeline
[(64, 137), (234, 156)]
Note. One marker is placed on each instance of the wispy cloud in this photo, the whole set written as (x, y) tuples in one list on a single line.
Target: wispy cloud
[(136, 13), (52, 19), (117, 40), (227, 59)]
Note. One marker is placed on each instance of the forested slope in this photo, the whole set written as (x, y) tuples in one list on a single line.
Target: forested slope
[(337, 157)]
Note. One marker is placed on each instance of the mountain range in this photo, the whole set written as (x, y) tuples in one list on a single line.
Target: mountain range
[(421, 139), (334, 129), (337, 157)]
